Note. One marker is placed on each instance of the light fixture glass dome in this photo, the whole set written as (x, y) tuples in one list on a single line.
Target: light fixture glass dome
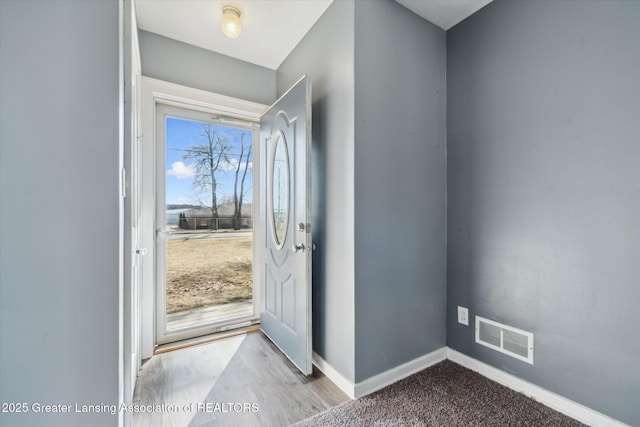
[(231, 25)]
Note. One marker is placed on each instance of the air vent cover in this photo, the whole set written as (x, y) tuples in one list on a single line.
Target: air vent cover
[(505, 339)]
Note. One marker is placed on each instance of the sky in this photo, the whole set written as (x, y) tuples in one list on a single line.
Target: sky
[(182, 134)]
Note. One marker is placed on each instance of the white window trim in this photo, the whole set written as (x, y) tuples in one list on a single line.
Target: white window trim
[(157, 91)]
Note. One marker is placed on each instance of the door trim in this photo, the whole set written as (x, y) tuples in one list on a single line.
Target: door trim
[(163, 334), (157, 91)]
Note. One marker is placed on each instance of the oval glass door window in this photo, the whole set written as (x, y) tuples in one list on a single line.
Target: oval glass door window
[(280, 190)]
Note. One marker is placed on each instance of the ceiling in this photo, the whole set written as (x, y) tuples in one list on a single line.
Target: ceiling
[(265, 39), (444, 13), (270, 28)]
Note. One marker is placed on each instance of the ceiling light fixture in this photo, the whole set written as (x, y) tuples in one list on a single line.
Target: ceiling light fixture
[(231, 25)]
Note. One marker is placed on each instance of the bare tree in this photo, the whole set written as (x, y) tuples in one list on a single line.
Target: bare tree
[(238, 197), (207, 159)]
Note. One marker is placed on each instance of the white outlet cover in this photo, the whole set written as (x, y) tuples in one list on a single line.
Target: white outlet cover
[(463, 315)]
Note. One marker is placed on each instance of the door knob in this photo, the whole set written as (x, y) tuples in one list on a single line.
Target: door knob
[(298, 248)]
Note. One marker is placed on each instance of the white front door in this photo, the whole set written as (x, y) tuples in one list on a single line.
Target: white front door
[(285, 135)]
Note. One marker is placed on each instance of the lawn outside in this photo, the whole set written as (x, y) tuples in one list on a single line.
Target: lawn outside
[(204, 272)]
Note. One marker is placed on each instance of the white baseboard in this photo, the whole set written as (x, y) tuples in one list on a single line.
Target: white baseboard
[(381, 380), (561, 404), (336, 377), (555, 401), (386, 378)]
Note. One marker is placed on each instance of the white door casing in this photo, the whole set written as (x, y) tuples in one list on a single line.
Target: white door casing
[(165, 332), (285, 136), (156, 92)]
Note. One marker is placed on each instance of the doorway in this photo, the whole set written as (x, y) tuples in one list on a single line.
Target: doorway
[(281, 138), (204, 223)]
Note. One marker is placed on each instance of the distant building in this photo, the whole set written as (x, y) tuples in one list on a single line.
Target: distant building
[(200, 219), (173, 215)]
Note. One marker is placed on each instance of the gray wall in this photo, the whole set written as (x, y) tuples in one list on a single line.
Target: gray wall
[(400, 212), (326, 55), (176, 62), (59, 208), (544, 191)]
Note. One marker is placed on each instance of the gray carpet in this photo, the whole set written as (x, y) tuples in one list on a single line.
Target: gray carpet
[(445, 394)]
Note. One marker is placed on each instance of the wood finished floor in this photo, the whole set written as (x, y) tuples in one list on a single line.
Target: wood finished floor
[(246, 369)]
